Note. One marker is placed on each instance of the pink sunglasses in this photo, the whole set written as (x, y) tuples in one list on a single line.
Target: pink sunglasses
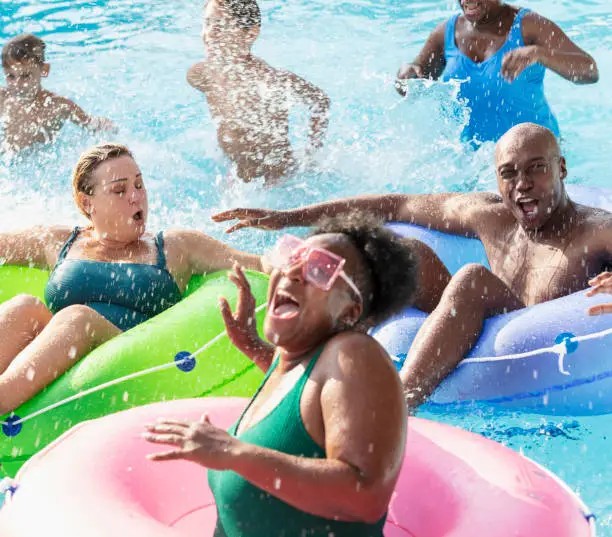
[(320, 267)]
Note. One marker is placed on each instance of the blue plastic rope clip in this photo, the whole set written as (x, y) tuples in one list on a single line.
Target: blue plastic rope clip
[(185, 362), (10, 428), (566, 337)]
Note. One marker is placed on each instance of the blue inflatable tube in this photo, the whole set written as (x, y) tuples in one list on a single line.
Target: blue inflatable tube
[(551, 358)]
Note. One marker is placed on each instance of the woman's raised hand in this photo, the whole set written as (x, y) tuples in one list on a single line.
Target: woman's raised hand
[(240, 325)]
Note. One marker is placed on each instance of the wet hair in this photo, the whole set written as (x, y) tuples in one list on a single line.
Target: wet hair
[(245, 13), (389, 276), (23, 48), (88, 162)]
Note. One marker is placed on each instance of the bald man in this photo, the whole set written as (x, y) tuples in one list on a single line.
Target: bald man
[(540, 246)]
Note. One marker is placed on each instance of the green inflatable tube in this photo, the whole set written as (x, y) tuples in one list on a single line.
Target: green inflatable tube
[(90, 389)]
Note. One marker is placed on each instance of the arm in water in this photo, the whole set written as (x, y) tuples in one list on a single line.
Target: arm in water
[(429, 63), (318, 103), (79, 117)]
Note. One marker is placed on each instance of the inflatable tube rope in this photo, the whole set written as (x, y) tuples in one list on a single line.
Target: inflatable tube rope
[(551, 358), (153, 361), (95, 481)]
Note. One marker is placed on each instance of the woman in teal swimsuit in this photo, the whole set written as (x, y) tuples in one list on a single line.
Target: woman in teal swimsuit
[(107, 277), (500, 53), (318, 450)]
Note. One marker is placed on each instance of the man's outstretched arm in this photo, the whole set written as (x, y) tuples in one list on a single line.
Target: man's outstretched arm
[(450, 212)]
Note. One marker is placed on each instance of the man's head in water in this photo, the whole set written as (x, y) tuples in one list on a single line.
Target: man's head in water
[(230, 26), (480, 10), (380, 264), (23, 62), (530, 173)]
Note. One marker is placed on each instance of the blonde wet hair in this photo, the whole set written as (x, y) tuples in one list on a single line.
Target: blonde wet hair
[(82, 176)]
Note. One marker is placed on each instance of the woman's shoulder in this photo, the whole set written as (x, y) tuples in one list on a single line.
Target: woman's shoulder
[(182, 235), (53, 236), (353, 352)]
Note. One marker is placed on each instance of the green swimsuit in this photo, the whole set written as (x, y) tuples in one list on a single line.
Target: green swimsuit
[(243, 510)]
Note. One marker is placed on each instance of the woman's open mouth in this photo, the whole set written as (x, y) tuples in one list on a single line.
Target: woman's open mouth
[(138, 216), (284, 305)]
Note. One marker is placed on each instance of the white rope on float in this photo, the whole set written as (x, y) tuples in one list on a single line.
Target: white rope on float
[(119, 380), (560, 349)]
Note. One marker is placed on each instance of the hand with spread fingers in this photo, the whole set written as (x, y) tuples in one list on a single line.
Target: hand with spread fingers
[(200, 442), (601, 283), (241, 326), (258, 218)]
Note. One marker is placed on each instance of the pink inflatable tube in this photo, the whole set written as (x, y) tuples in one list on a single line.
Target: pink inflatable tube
[(94, 481)]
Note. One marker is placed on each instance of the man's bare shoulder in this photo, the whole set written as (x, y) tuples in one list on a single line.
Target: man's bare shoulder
[(480, 203), (593, 218), (486, 199), (483, 212)]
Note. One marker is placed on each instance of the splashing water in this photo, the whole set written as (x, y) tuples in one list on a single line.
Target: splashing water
[(127, 60)]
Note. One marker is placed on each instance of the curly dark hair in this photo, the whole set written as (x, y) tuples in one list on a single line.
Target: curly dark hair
[(389, 279), (23, 48), (245, 13)]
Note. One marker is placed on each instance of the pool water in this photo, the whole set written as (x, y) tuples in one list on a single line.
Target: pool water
[(127, 59)]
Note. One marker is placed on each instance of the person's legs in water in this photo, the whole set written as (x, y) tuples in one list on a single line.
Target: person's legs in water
[(22, 318), (70, 334), (449, 333)]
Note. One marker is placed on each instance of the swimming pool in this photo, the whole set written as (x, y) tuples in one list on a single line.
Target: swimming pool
[(127, 59)]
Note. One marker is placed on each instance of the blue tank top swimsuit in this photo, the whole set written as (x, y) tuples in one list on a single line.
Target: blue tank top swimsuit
[(496, 105), (126, 294)]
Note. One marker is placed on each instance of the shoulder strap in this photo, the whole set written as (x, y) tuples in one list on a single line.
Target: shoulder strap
[(263, 383), (161, 257), (68, 244), (516, 32), (449, 32), (313, 361)]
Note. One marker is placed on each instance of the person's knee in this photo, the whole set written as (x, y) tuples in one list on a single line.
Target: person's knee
[(29, 307), (26, 302), (76, 315), (86, 322), (468, 280)]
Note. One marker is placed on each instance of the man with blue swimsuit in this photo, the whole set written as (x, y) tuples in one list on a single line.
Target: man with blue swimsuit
[(500, 54), (540, 245)]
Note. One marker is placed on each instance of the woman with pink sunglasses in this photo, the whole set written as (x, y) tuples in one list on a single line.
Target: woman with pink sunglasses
[(318, 450)]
